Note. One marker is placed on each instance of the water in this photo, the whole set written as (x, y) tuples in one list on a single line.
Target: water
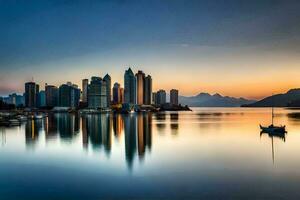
[(210, 153)]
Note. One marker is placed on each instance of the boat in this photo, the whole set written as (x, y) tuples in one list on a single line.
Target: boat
[(272, 129)]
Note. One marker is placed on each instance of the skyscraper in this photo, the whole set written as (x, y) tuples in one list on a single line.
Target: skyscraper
[(147, 90), (51, 95), (174, 97), (116, 93), (85, 83), (97, 93), (64, 95), (161, 97), (154, 98), (129, 87), (140, 78), (41, 99), (107, 79), (31, 94), (69, 95)]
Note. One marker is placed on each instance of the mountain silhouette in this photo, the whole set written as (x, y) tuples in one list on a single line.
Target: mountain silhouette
[(278, 100), (216, 100)]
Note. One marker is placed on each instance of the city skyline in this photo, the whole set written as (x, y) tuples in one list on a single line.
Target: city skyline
[(180, 44)]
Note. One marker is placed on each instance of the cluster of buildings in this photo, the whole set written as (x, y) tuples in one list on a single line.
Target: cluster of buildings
[(96, 93)]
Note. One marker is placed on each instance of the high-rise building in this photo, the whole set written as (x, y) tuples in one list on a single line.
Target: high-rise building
[(154, 98), (161, 97), (121, 95), (140, 78), (41, 99), (85, 83), (147, 90), (174, 97), (75, 96), (107, 79), (31, 94), (69, 95), (116, 93), (97, 93), (64, 95), (51, 95), (129, 87)]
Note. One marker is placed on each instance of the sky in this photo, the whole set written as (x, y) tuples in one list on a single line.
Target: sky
[(235, 48)]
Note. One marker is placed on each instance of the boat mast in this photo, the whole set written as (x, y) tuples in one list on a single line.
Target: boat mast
[(272, 109)]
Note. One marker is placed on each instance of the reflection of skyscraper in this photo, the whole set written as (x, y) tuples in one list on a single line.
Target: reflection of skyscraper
[(85, 140), (118, 124), (174, 123), (130, 138), (160, 124), (51, 126), (129, 87), (32, 132), (144, 133), (31, 94), (98, 130), (68, 125)]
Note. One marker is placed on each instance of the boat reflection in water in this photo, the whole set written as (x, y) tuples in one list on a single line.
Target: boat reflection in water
[(96, 131), (274, 134)]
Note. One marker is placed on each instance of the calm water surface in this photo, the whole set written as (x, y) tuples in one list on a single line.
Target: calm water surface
[(210, 153)]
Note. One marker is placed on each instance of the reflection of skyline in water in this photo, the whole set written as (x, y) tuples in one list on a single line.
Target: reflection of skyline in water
[(96, 131), (32, 131)]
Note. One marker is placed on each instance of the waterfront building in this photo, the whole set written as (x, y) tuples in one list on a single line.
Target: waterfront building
[(121, 95), (64, 95), (148, 90), (140, 78), (41, 99), (129, 87), (116, 93), (85, 83), (161, 97), (14, 99), (31, 94), (154, 98), (69, 95), (51, 92), (97, 96), (107, 79), (174, 97)]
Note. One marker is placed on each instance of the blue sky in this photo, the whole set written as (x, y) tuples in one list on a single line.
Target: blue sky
[(195, 46)]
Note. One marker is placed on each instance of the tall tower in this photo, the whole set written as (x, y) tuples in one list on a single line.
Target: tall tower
[(85, 83), (174, 97), (129, 87), (31, 94), (140, 78), (107, 79), (148, 90)]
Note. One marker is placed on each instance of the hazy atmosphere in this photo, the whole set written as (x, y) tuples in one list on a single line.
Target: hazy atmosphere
[(235, 48)]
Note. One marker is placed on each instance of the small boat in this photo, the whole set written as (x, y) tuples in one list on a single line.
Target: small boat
[(272, 129)]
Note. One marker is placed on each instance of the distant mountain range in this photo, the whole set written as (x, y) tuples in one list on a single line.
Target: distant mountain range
[(291, 98), (216, 100)]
